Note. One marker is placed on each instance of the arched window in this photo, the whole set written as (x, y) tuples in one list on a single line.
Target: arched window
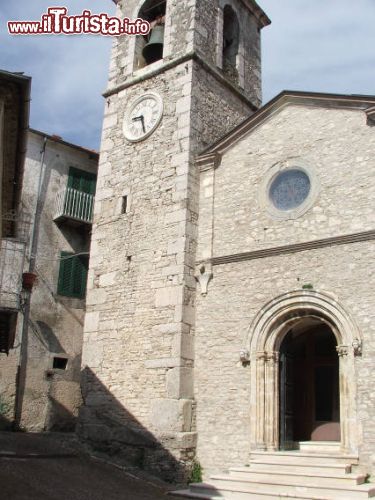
[(231, 42), (149, 48)]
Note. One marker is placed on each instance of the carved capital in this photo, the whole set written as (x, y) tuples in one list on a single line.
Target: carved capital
[(342, 350), (204, 275), (272, 356), (261, 356)]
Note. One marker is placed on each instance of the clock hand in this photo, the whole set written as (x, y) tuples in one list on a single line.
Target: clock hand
[(142, 119)]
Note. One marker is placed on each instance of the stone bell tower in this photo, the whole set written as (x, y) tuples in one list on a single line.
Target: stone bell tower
[(169, 96)]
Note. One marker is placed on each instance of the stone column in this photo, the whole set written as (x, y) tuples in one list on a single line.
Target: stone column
[(272, 400), (260, 400)]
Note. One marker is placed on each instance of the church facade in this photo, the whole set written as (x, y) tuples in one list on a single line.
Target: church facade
[(229, 298)]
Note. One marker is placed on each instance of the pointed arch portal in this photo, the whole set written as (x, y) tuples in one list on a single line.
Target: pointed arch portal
[(265, 339)]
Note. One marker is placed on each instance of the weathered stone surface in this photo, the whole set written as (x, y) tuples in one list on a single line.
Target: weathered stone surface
[(152, 246), (239, 291)]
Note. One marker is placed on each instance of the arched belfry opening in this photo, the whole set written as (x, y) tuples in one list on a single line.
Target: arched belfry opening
[(309, 396), (149, 48), (231, 42)]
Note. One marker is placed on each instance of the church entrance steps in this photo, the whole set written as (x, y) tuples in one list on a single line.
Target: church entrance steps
[(294, 475), (302, 466), (234, 490), (295, 457), (287, 481)]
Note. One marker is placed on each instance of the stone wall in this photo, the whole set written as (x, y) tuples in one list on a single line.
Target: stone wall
[(236, 294), (140, 305), (319, 138), (336, 145), (138, 352)]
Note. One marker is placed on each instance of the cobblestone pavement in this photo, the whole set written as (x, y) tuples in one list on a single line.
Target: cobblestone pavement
[(39, 468)]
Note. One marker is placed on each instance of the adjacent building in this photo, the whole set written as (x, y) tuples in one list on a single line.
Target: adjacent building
[(40, 376), (14, 228)]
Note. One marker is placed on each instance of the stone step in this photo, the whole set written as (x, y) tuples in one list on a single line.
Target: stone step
[(310, 488), (296, 457), (320, 446), (295, 478), (201, 496), (205, 491), (212, 494), (302, 466)]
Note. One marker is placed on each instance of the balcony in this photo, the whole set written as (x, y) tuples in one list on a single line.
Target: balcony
[(12, 255), (74, 206)]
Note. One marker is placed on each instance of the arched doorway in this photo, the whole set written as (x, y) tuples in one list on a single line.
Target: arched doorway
[(309, 397), (302, 311)]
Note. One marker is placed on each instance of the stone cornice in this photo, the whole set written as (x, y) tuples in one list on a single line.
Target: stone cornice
[(208, 161), (259, 14), (176, 62), (293, 248)]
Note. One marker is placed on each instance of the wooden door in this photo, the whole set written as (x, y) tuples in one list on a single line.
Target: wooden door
[(286, 401)]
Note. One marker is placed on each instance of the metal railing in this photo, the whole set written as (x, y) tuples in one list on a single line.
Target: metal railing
[(74, 204), (12, 257)]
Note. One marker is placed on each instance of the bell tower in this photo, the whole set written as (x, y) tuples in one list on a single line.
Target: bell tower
[(170, 95)]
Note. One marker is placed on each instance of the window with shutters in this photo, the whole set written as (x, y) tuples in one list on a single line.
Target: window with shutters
[(8, 323), (72, 275), (81, 180), (78, 197)]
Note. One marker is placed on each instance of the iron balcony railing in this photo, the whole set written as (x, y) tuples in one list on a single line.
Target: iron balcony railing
[(12, 260), (74, 204)]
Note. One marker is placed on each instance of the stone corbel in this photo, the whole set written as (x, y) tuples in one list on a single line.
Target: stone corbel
[(357, 347), (204, 275), (209, 161), (244, 356)]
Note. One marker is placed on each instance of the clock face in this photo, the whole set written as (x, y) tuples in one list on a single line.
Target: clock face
[(289, 189), (142, 117)]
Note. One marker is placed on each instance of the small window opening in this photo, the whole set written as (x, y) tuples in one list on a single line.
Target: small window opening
[(124, 205), (59, 363), (231, 42), (8, 323), (149, 48)]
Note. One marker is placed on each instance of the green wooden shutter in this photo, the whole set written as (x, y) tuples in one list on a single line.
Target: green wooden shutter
[(65, 274), (82, 181), (72, 275), (80, 276)]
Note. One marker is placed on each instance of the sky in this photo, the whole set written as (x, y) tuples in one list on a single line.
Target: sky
[(313, 45)]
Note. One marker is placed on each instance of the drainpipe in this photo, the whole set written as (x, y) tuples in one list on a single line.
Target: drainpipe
[(22, 364)]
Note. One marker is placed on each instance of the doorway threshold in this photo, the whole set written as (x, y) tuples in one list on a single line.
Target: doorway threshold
[(333, 447)]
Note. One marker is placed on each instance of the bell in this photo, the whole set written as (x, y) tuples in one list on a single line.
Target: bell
[(153, 51)]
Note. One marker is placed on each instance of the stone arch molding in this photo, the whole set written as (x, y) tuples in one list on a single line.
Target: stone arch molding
[(262, 345)]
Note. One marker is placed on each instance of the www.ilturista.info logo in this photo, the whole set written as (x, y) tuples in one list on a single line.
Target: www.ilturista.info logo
[(57, 22)]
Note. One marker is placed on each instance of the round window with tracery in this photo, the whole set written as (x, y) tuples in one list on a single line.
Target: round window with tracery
[(289, 189)]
